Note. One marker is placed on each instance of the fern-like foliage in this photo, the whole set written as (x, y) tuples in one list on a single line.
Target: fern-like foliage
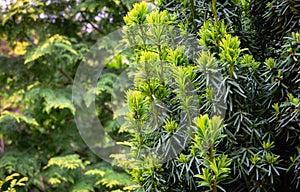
[(53, 99), (18, 117), (82, 176), (40, 48), (12, 183), (55, 42)]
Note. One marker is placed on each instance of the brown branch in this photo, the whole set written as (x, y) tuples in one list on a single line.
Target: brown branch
[(2, 146), (108, 108), (124, 6), (29, 39), (66, 75), (92, 24), (193, 14), (105, 118)]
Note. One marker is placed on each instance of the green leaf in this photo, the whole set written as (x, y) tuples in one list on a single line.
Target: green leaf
[(18, 118), (50, 47)]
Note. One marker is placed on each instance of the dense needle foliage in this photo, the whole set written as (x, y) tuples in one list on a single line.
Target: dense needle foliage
[(250, 51)]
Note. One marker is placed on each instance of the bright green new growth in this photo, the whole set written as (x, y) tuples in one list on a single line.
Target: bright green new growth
[(207, 136), (137, 15), (164, 80), (217, 170)]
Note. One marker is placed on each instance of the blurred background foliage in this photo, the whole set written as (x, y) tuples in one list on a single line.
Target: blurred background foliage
[(41, 45)]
